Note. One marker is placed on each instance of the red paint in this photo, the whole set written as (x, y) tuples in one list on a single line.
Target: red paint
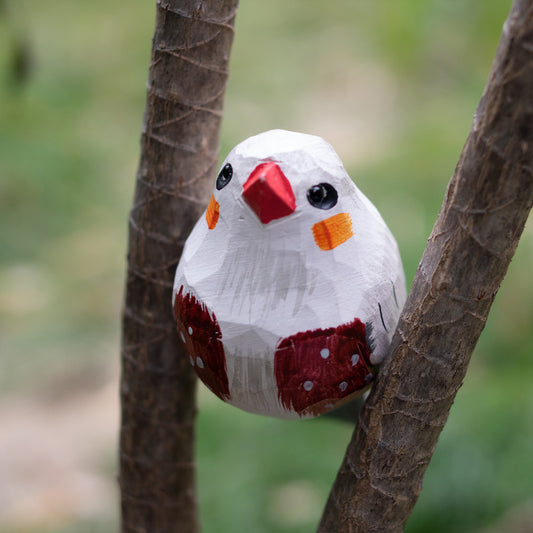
[(298, 363), (268, 192), (200, 332)]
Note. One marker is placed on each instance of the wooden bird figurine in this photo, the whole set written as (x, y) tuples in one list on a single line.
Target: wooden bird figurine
[(290, 286)]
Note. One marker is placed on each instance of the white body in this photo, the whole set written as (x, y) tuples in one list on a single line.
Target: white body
[(265, 282)]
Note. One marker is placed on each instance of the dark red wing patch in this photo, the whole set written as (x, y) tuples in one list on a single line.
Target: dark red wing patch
[(198, 329), (316, 369)]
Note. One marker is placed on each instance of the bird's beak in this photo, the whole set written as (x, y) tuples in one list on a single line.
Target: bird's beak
[(268, 192)]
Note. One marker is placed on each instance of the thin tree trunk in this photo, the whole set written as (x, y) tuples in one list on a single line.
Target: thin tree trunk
[(179, 154), (467, 255)]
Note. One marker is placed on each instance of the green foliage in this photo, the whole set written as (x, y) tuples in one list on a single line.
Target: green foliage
[(393, 86)]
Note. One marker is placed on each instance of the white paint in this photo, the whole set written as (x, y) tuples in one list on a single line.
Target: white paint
[(265, 282), (308, 385)]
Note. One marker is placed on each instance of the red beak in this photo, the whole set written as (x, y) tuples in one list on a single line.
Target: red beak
[(268, 192)]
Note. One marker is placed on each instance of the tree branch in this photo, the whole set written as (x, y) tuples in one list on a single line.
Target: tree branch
[(179, 153), (467, 255)]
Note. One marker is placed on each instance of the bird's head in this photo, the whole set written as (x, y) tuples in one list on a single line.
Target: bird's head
[(281, 182)]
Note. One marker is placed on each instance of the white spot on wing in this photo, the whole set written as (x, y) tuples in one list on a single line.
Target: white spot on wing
[(308, 385), (324, 353)]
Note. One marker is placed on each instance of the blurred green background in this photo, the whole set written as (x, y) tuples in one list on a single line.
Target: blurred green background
[(393, 86)]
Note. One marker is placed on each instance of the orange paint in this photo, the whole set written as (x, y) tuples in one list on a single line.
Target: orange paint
[(333, 231), (211, 215)]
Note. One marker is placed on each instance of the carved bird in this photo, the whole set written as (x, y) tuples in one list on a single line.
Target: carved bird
[(290, 285)]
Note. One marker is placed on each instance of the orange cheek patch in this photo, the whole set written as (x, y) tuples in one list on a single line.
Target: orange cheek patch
[(211, 215), (333, 231)]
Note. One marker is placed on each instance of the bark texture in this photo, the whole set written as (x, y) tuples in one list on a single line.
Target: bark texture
[(467, 255), (179, 155)]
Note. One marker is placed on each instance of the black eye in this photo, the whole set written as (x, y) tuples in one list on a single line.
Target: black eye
[(224, 176), (322, 196)]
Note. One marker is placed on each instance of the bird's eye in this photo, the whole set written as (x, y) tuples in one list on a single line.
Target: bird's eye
[(224, 176), (322, 196)]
